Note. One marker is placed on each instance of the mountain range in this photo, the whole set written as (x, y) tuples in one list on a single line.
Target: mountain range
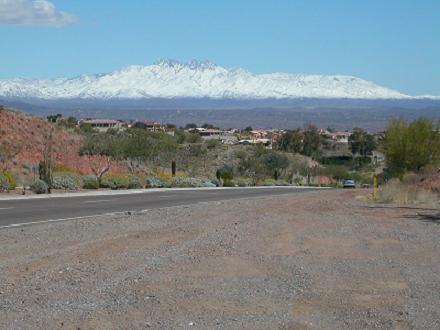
[(169, 79)]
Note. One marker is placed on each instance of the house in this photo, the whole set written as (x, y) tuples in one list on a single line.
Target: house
[(258, 134), (102, 125), (337, 136), (224, 137), (149, 125), (266, 142)]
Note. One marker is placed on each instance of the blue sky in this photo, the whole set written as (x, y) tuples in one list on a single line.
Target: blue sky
[(393, 43)]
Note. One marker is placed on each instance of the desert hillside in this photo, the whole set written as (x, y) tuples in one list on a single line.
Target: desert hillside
[(24, 136)]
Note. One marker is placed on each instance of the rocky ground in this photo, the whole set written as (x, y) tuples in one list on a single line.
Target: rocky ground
[(311, 261)]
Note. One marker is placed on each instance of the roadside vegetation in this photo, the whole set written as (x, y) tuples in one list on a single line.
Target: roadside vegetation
[(412, 151), (65, 154)]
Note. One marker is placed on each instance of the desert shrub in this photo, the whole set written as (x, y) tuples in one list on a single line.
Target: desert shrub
[(244, 182), (212, 143), (193, 138), (229, 183), (268, 182), (134, 182), (410, 178), (39, 187), (121, 182), (157, 182), (187, 182), (66, 181), (90, 182), (10, 179), (226, 172), (115, 181), (63, 182), (4, 183)]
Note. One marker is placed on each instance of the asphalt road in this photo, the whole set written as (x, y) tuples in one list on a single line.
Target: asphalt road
[(29, 211)]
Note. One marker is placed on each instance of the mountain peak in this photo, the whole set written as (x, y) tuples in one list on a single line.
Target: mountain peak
[(170, 78), (192, 64)]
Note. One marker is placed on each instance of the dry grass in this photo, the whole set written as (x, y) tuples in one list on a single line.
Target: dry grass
[(406, 192)]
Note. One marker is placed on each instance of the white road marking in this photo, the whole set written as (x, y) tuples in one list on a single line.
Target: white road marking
[(62, 219), (98, 201), (6, 208), (167, 196)]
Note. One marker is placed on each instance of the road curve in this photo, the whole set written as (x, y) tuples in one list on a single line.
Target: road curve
[(38, 210)]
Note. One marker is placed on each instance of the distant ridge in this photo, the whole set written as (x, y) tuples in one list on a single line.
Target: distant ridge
[(169, 79)]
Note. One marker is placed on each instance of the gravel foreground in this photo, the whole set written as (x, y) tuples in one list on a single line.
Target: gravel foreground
[(317, 260)]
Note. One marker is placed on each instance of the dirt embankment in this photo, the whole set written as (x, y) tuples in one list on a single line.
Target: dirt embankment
[(24, 135), (320, 260)]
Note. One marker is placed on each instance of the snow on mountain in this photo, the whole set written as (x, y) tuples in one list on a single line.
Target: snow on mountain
[(194, 79)]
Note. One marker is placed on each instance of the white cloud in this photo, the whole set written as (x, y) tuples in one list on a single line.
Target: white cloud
[(33, 12)]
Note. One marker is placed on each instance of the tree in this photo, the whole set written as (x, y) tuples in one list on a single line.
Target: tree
[(312, 142), (362, 143), (190, 125), (54, 118), (99, 165), (276, 162), (70, 122), (193, 138), (410, 147), (291, 141), (86, 128)]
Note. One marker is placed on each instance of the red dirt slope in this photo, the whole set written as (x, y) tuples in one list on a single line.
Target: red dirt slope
[(26, 133)]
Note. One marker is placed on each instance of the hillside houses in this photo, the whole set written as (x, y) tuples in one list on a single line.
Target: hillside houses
[(225, 137), (102, 125)]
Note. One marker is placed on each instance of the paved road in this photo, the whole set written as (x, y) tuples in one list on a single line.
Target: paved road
[(25, 211)]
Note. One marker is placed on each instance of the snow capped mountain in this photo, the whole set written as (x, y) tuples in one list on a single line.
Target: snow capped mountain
[(194, 79)]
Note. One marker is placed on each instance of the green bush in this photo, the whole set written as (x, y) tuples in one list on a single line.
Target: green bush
[(229, 183), (39, 187), (226, 172), (115, 182), (90, 182), (121, 182)]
